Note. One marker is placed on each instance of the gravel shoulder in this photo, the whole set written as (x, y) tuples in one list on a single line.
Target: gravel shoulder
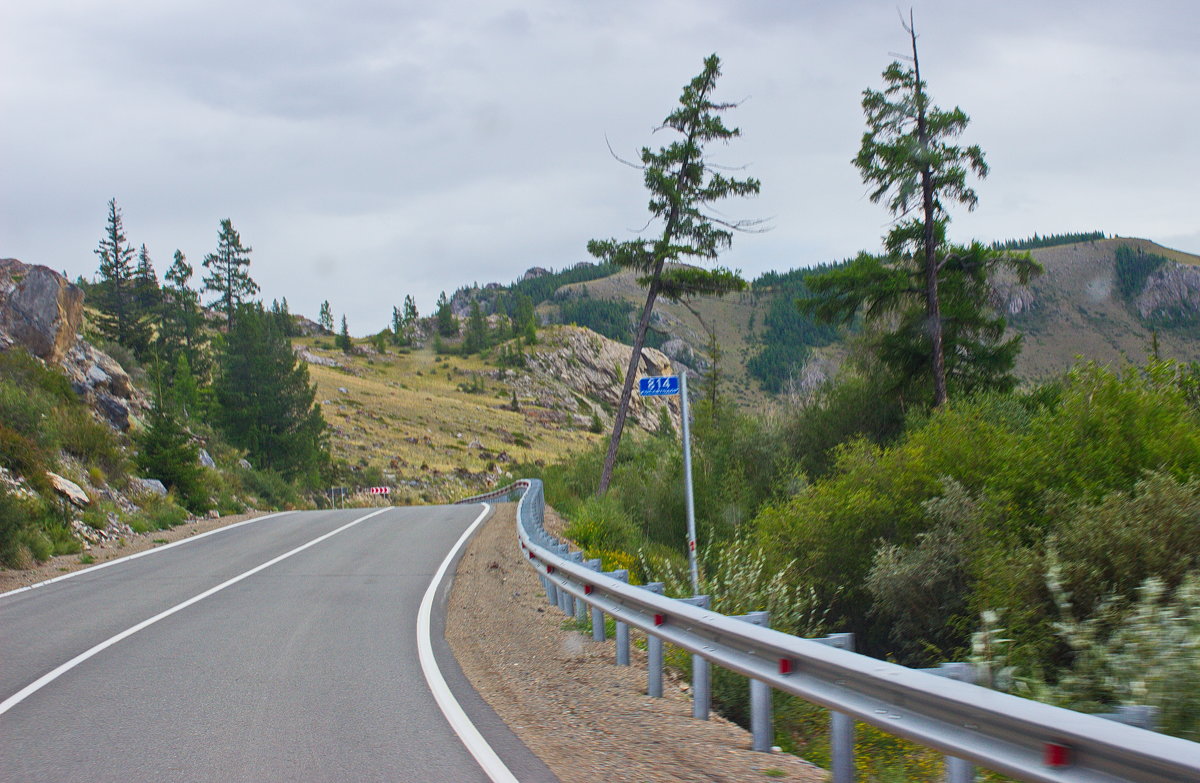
[(11, 579), (563, 695)]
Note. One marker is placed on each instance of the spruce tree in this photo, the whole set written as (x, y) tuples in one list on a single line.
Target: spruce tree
[(343, 339), (325, 319), (447, 322), (167, 453), (266, 403), (181, 322), (116, 302), (229, 277), (683, 186), (477, 335)]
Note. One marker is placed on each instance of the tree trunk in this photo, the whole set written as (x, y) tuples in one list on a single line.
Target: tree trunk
[(639, 341), (933, 309)]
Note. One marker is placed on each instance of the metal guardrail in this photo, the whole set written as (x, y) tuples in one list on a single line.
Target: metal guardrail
[(1025, 739)]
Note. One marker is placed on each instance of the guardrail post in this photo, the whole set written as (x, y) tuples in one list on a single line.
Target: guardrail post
[(1139, 715), (701, 683), (761, 725), (622, 627), (574, 603), (597, 616), (841, 726), (564, 598), (957, 770), (654, 654)]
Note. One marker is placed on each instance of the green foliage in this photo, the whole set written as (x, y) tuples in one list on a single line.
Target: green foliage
[(157, 513), (476, 338), (229, 275), (270, 488), (609, 317), (1112, 546), (325, 319), (267, 403), (1133, 267), (343, 341), (166, 452), (117, 293), (1023, 460), (1048, 240), (444, 318), (1144, 652), (683, 188), (788, 334)]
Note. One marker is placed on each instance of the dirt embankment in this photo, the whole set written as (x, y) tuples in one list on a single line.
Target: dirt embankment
[(564, 696)]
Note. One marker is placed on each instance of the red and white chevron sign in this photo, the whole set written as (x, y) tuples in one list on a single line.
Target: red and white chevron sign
[(381, 490)]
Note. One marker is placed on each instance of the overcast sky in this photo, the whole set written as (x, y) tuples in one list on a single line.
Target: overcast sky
[(369, 149)]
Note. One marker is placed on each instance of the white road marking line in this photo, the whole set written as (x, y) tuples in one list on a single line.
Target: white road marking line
[(143, 553), (46, 679), (466, 731)]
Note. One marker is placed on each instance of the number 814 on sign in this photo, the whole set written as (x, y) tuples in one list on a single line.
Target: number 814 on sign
[(659, 386)]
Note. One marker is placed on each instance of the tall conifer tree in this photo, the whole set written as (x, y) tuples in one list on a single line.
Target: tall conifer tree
[(229, 276), (118, 317), (683, 186)]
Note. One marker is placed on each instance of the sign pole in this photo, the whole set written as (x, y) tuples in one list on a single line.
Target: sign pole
[(687, 483)]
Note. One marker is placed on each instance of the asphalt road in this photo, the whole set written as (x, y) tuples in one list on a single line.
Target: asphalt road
[(303, 670)]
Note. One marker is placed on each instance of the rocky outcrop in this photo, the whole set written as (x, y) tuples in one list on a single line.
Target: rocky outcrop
[(39, 308), (42, 311), (579, 372), (1173, 290), (1012, 298), (105, 385), (69, 489)]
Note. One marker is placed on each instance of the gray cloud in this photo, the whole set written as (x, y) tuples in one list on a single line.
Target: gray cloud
[(372, 149)]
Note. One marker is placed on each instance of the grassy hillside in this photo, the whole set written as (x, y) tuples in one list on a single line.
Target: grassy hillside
[(442, 422), (1077, 310), (1073, 310)]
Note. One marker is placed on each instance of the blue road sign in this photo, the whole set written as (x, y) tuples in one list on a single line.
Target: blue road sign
[(659, 386)]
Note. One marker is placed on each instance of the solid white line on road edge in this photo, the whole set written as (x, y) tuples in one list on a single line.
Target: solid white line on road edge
[(466, 731), (143, 553), (46, 679)]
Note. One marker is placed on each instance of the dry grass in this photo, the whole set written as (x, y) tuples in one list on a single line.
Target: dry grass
[(406, 414)]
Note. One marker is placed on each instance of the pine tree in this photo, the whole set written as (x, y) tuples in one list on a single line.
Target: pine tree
[(906, 155), (118, 317), (343, 339), (933, 298), (166, 452), (325, 319), (682, 186), (181, 322), (266, 402), (447, 323), (477, 333), (146, 290), (229, 278), (397, 335)]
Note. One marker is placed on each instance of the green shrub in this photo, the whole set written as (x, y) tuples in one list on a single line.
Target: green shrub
[(26, 458), (81, 435), (271, 488), (158, 513)]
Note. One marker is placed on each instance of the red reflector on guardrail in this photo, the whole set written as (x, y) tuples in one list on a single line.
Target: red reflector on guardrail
[(549, 569), (531, 555), (1057, 756), (587, 589), (659, 619), (785, 665)]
